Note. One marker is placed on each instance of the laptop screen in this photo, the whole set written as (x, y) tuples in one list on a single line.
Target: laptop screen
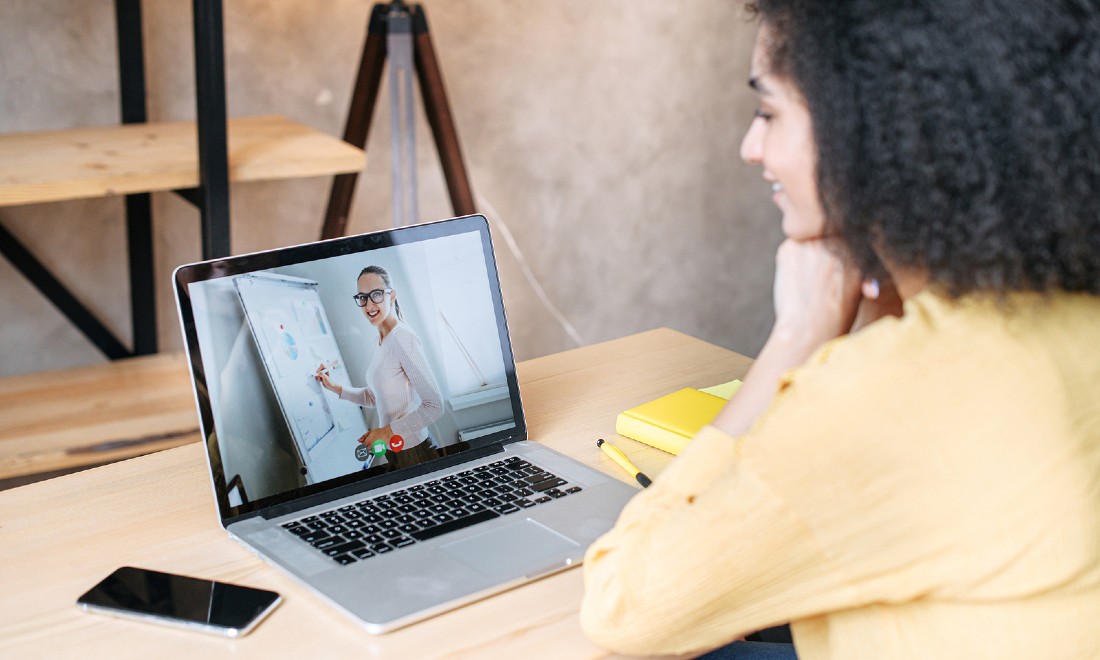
[(332, 364)]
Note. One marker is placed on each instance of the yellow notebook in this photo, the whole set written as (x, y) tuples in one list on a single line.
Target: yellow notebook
[(669, 422)]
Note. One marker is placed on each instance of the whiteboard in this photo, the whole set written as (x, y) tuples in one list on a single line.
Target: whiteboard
[(294, 337)]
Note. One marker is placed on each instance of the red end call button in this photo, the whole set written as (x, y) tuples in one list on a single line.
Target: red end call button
[(397, 443)]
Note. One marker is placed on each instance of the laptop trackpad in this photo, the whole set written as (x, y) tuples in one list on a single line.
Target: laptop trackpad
[(515, 548)]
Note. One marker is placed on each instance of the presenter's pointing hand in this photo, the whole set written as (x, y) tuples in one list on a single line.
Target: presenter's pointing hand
[(321, 374)]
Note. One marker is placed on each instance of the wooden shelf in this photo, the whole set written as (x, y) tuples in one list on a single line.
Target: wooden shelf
[(74, 418), (51, 166)]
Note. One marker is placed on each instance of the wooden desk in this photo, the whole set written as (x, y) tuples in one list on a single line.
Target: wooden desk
[(59, 537)]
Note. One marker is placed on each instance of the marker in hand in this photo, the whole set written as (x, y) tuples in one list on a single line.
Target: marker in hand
[(623, 462)]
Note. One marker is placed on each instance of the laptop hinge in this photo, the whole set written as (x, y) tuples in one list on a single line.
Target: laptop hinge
[(447, 462)]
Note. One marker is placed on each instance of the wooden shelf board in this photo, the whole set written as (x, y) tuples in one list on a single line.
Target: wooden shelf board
[(59, 420), (51, 166)]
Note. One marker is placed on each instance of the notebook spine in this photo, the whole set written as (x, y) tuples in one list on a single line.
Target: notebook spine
[(631, 427)]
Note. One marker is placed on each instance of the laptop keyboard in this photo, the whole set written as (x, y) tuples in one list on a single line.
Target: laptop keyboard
[(399, 519)]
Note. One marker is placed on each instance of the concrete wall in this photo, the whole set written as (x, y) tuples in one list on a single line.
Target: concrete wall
[(604, 133)]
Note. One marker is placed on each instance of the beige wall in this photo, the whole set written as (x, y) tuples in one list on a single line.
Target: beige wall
[(603, 132)]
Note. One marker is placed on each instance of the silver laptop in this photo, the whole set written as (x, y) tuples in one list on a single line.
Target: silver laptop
[(363, 423)]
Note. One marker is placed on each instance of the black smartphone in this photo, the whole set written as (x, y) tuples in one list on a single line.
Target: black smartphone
[(178, 600)]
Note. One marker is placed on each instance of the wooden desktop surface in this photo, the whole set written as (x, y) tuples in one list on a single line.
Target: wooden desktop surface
[(59, 537)]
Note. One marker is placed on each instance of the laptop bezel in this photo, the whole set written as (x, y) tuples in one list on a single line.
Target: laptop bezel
[(311, 495)]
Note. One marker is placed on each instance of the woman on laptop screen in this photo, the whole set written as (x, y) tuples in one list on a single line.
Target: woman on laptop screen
[(400, 386), (928, 485)]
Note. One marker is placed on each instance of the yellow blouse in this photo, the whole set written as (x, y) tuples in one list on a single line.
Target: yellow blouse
[(926, 488)]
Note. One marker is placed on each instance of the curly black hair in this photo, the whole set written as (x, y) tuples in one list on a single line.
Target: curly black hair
[(956, 137)]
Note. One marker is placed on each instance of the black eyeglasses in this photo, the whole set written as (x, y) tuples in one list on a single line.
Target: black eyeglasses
[(376, 297)]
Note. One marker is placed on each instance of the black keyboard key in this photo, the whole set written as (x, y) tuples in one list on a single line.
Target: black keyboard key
[(574, 489), (403, 543), (298, 530), (555, 493), (453, 526), (544, 498), (539, 476), (362, 553), (506, 508), (391, 534), (380, 548), (526, 504), (344, 560), (313, 537), (327, 542), (345, 547), (408, 529), (546, 485)]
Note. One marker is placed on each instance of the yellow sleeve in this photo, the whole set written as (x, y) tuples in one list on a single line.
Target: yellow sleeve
[(708, 553)]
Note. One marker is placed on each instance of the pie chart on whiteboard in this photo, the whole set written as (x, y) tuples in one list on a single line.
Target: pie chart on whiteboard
[(286, 340)]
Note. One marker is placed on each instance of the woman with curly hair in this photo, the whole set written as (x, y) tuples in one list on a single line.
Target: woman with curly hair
[(927, 485)]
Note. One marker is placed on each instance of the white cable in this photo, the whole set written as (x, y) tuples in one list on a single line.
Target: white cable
[(510, 241)]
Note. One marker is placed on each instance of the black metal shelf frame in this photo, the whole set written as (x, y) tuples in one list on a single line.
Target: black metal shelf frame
[(211, 197)]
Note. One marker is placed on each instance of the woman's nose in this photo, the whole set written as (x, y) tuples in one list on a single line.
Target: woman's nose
[(752, 145)]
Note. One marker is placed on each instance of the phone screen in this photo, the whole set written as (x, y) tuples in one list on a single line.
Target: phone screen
[(176, 599)]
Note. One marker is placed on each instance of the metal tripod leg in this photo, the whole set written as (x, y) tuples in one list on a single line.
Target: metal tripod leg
[(363, 100), (436, 108)]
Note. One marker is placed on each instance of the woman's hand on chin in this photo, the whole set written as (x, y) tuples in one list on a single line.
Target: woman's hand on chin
[(816, 293)]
